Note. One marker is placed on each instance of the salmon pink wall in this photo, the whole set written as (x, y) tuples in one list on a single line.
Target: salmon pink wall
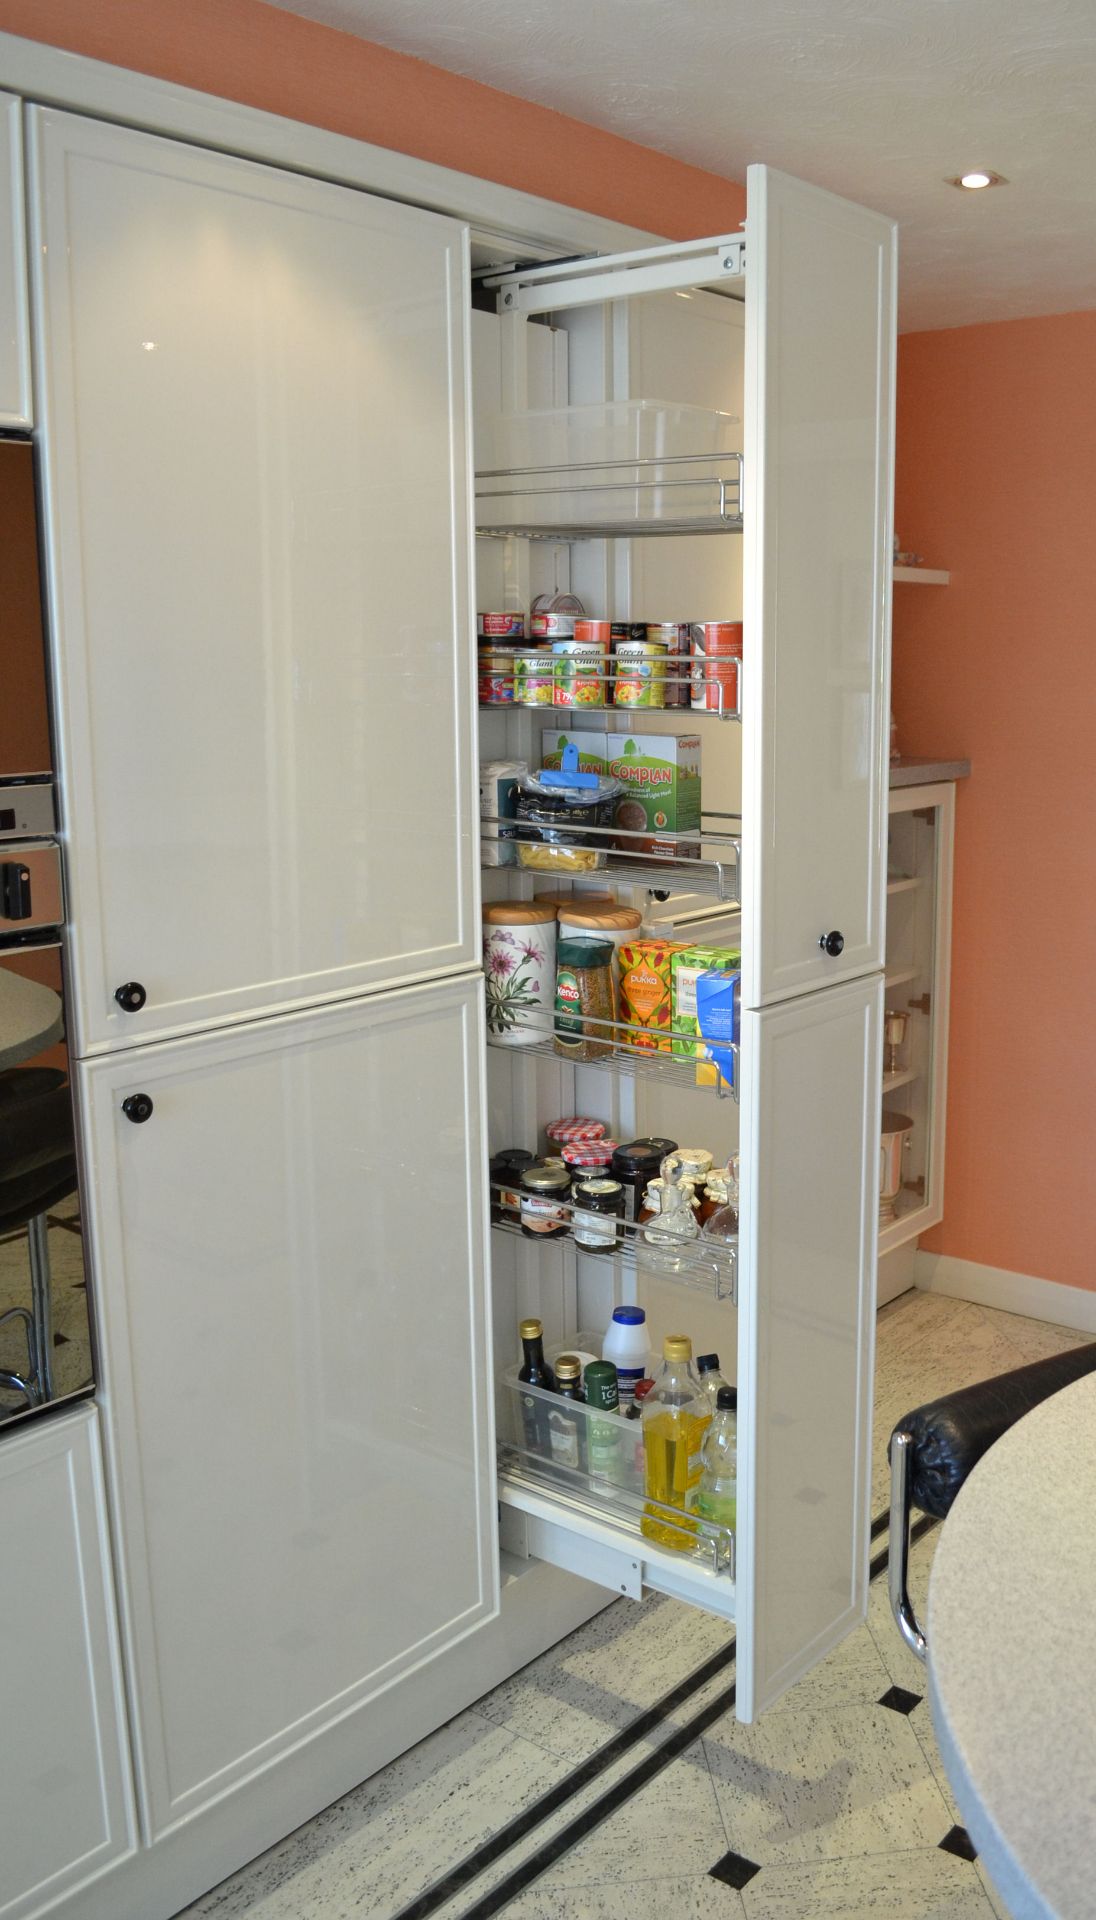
[(997, 481), (262, 57)]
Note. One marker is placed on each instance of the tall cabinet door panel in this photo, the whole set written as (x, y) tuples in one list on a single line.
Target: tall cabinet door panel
[(291, 1257), (819, 404), (15, 406), (253, 395), (810, 1130), (65, 1782)]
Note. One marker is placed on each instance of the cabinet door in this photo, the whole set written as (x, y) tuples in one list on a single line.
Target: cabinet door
[(253, 397), (809, 1219), (64, 1765), (15, 408), (294, 1343), (819, 405)]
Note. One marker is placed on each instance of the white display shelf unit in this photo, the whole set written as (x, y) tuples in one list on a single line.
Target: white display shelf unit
[(917, 977)]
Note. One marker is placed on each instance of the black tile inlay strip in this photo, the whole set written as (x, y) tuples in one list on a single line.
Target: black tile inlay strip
[(958, 1841), (900, 1700), (917, 1532), (880, 1523), (515, 1830), (549, 1803), (734, 1870), (600, 1810)]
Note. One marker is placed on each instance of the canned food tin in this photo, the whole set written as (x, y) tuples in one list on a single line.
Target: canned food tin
[(534, 677), (581, 673), (716, 663), (640, 674), (501, 626), (552, 626), (597, 633), (674, 636), (496, 677)]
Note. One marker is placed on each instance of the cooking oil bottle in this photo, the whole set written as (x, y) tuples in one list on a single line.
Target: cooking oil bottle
[(676, 1414)]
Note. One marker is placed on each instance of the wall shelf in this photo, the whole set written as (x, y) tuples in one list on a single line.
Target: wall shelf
[(900, 1078), (921, 577), (904, 885)]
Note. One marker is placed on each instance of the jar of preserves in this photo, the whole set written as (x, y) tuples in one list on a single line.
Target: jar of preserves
[(636, 1163), (597, 1210), (544, 1198)]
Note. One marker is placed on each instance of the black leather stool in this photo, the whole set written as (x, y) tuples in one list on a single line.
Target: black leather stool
[(37, 1170)]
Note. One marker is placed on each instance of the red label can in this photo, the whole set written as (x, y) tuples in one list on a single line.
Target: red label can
[(716, 660)]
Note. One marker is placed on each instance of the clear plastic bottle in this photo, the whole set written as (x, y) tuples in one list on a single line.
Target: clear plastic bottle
[(707, 1366), (676, 1415), (717, 1492)]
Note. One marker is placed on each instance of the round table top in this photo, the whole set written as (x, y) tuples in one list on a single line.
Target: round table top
[(1012, 1657), (31, 1017)]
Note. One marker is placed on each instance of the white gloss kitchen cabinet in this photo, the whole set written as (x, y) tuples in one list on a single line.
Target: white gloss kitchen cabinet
[(15, 400), (254, 446), (65, 1783), (254, 407), (295, 1372)]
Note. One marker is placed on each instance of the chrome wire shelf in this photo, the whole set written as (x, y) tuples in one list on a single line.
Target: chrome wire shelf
[(722, 710), (706, 1266), (630, 1049), (603, 1473), (709, 862), (724, 515)]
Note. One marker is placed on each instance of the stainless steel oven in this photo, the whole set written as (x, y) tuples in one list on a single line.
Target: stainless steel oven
[(45, 1321)]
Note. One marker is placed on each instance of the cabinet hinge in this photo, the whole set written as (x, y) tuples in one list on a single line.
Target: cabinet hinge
[(923, 1004)]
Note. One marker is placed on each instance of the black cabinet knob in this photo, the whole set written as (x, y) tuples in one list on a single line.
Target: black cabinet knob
[(15, 890), (131, 998), (137, 1107), (832, 943)]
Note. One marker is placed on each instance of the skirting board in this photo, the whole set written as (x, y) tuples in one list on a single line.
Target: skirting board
[(1012, 1292)]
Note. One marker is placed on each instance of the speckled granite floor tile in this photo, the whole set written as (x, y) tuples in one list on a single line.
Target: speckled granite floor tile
[(949, 1350), (921, 1722), (374, 1850), (853, 1672), (688, 1899), (921, 1884), (578, 1694), (811, 1786), (1034, 1339)]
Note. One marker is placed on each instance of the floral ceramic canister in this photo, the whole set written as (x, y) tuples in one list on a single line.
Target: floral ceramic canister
[(519, 962)]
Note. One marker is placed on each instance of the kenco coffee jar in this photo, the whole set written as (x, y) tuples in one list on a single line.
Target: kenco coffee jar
[(594, 921), (519, 963)]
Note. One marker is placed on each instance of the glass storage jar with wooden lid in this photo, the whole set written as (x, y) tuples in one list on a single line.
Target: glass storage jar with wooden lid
[(582, 920), (519, 964)]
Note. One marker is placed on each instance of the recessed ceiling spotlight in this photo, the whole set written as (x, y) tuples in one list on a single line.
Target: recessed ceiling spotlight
[(980, 178)]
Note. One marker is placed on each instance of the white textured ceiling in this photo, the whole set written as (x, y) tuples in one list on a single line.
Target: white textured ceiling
[(877, 99)]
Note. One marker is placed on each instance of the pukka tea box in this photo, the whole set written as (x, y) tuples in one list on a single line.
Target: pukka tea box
[(686, 966), (646, 992), (660, 773), (591, 750)]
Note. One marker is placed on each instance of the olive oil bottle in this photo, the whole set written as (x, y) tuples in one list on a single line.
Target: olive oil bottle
[(676, 1416)]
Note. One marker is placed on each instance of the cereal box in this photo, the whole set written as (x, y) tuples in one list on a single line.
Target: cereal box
[(684, 969), (660, 773), (646, 991)]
